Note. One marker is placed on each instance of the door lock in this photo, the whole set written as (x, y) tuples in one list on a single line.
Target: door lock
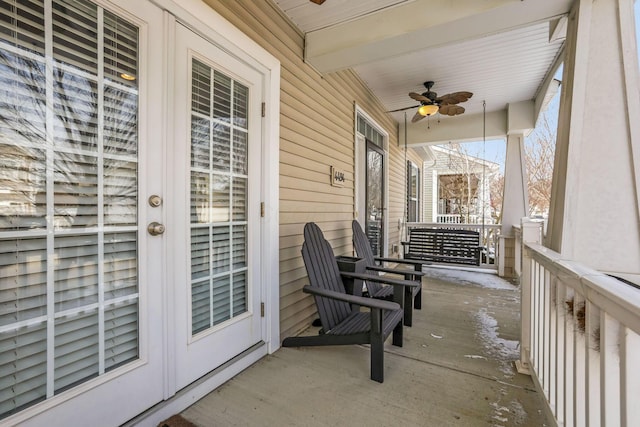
[(155, 228), (155, 201)]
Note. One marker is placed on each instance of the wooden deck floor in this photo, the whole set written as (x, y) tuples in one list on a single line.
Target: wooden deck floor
[(455, 369)]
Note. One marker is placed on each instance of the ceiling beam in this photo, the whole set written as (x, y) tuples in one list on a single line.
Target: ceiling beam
[(463, 128), (419, 25)]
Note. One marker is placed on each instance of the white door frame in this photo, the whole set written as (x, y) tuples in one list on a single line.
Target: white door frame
[(204, 21), (360, 166)]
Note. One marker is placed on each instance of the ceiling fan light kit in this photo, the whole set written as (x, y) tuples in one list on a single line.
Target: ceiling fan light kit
[(428, 109)]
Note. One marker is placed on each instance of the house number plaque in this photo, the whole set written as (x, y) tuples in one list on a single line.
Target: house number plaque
[(337, 177)]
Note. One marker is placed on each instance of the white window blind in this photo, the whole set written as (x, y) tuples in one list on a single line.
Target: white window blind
[(68, 197), (219, 144)]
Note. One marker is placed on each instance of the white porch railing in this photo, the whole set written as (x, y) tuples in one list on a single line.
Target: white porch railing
[(455, 219), (489, 234), (580, 340)]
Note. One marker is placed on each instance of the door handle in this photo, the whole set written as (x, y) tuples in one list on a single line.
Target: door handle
[(155, 228)]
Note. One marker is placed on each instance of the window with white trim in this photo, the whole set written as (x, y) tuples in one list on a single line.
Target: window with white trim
[(68, 197)]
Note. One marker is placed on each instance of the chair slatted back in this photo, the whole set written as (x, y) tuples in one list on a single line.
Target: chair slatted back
[(323, 272), (363, 249)]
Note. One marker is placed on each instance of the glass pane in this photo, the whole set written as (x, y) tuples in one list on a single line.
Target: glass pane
[(120, 265), (120, 121), (76, 271), (75, 34), (200, 144), (221, 250), (221, 155), (120, 192), (222, 97), (221, 300), (76, 349), (239, 293), (22, 188), (201, 88), (24, 368), (200, 209), (200, 306), (240, 105), (240, 153), (75, 190), (374, 199), (200, 253), (23, 297), (239, 199), (120, 334), (219, 190)]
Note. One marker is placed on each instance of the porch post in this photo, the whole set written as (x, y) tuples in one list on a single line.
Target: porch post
[(595, 203), (515, 202)]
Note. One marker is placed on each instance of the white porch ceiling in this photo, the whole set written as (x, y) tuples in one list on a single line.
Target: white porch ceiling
[(501, 50)]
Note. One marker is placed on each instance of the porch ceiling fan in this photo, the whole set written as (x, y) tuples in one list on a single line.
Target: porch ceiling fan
[(431, 103), (318, 2)]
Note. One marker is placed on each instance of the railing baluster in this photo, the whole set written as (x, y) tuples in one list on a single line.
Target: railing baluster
[(592, 335), (553, 340), (629, 352), (579, 368), (609, 370), (560, 365), (546, 358), (569, 331)]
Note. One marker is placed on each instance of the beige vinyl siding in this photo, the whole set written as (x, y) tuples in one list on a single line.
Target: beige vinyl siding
[(316, 132)]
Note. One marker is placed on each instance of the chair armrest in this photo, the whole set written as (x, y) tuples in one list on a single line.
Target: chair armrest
[(352, 299), (381, 279), (415, 263), (402, 272)]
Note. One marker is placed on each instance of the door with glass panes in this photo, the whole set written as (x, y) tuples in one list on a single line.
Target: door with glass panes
[(374, 225), (79, 273), (216, 170)]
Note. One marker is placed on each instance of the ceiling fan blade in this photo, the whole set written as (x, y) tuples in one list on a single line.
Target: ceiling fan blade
[(402, 109), (417, 117), (419, 97), (454, 98), (318, 2), (451, 109)]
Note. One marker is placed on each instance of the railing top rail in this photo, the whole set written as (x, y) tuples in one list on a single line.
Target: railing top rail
[(611, 295), (451, 225)]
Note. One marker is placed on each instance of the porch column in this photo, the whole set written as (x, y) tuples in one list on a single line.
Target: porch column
[(595, 211), (515, 202)]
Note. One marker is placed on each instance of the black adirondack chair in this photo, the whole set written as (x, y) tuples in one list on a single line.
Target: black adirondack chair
[(376, 290), (341, 323)]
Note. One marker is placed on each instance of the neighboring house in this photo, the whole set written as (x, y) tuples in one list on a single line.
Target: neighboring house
[(458, 186)]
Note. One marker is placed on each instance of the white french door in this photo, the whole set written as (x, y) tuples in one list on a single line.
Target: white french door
[(215, 219), (80, 287)]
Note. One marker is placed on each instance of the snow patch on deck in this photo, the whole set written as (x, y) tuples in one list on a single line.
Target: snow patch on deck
[(466, 277)]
